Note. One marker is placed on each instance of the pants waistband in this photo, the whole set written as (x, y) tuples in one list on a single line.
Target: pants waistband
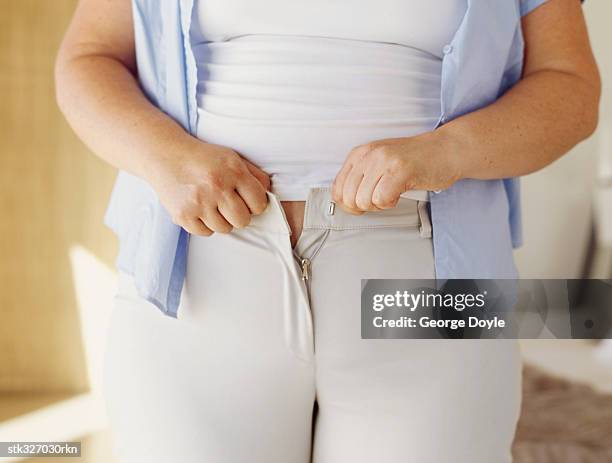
[(321, 212)]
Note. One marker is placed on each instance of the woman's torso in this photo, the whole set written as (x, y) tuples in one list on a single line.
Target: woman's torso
[(294, 86)]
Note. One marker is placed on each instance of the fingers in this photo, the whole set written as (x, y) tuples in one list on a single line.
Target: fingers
[(260, 175), (369, 180), (351, 186), (387, 193), (214, 193), (231, 212), (347, 181), (349, 191), (234, 210), (213, 219), (351, 210), (338, 186), (235, 207), (197, 227), (253, 194), (365, 193)]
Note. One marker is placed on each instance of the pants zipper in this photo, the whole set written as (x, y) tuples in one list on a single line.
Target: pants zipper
[(305, 264)]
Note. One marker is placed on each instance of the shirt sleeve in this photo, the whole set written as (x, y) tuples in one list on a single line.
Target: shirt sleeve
[(527, 6)]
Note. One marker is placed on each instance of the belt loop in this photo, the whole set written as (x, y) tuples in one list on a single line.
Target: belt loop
[(424, 221)]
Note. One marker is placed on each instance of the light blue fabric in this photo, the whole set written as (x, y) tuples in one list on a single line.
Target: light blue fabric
[(527, 6), (476, 223)]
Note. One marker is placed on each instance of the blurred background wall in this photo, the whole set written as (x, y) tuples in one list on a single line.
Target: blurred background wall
[(53, 193), (57, 257)]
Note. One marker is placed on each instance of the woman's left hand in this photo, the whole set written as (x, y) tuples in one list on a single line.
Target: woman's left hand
[(375, 174)]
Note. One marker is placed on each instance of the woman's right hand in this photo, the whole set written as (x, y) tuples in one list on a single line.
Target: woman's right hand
[(206, 188), (210, 188)]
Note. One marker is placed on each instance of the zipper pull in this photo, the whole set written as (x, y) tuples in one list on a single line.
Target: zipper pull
[(305, 268)]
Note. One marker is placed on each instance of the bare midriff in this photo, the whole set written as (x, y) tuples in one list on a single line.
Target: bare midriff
[(294, 211)]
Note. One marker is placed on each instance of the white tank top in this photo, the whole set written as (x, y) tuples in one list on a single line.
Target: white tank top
[(294, 86)]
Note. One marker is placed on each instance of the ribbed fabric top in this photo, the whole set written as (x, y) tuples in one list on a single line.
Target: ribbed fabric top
[(295, 104)]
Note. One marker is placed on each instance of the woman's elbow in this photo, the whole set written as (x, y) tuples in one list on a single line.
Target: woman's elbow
[(591, 101), (62, 72)]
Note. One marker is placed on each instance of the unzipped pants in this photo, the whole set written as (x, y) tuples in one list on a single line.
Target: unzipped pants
[(265, 363)]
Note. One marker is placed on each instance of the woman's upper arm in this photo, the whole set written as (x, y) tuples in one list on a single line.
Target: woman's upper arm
[(100, 28), (556, 39)]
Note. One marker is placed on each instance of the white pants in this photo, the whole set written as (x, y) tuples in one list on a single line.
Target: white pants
[(265, 332)]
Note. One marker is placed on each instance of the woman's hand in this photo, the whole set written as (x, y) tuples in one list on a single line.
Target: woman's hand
[(375, 174), (206, 188), (210, 188), (554, 106)]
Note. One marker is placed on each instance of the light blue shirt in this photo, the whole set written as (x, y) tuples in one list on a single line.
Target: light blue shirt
[(476, 223)]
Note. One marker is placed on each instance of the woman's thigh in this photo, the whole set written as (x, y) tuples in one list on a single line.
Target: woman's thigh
[(220, 383), (427, 401)]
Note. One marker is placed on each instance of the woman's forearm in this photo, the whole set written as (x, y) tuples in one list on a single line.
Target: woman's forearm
[(204, 187), (532, 125), (554, 106), (104, 104)]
